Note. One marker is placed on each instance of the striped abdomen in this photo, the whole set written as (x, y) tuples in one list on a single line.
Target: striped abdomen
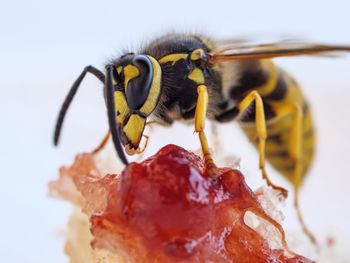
[(277, 89)]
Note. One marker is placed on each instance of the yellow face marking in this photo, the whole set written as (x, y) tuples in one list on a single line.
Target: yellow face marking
[(197, 54), (121, 106), (173, 58), (134, 129), (152, 99), (197, 76), (268, 87), (119, 69), (130, 72)]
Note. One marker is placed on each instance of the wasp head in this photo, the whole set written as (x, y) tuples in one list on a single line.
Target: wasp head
[(134, 84)]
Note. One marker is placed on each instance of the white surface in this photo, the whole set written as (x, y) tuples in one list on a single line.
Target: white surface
[(45, 45)]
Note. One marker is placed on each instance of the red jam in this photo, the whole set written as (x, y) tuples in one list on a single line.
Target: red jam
[(166, 209)]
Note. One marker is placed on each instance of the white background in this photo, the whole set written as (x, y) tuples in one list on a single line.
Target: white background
[(44, 45)]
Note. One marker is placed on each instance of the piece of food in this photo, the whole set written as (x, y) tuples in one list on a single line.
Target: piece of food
[(166, 209)]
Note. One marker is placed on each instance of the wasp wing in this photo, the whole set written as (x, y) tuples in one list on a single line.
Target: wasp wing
[(272, 50)]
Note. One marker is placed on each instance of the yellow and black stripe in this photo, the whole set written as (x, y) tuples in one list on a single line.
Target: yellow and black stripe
[(276, 89)]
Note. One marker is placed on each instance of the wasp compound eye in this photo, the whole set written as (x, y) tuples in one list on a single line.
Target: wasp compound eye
[(138, 80)]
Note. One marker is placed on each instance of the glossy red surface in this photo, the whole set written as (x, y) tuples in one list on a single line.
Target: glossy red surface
[(166, 209)]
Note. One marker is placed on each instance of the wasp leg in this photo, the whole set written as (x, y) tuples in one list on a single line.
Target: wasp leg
[(238, 110), (200, 115), (102, 144), (295, 152), (261, 132)]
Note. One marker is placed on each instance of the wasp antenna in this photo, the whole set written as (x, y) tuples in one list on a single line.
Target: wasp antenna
[(113, 125), (88, 69)]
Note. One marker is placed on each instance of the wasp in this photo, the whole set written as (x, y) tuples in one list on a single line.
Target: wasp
[(191, 77)]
